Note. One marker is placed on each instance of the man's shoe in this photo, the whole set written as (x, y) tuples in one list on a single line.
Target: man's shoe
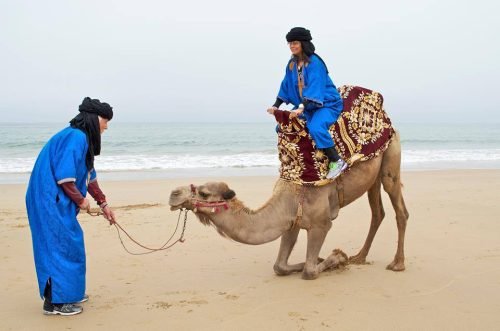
[(336, 169), (64, 309)]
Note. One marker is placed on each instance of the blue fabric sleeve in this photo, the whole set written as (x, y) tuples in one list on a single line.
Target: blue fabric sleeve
[(315, 88), (68, 156), (283, 93)]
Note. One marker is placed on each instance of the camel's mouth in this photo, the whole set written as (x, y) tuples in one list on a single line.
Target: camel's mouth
[(176, 207), (178, 199)]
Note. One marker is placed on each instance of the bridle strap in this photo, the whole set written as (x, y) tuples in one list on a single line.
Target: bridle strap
[(202, 203), (205, 203)]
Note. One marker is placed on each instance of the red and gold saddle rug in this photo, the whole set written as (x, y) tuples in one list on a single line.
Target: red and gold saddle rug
[(361, 132)]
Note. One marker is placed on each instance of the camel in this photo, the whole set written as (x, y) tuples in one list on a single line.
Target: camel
[(214, 203)]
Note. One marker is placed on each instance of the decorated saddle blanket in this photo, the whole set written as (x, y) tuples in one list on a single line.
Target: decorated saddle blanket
[(361, 132)]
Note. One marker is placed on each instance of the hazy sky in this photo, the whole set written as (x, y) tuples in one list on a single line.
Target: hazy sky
[(223, 60)]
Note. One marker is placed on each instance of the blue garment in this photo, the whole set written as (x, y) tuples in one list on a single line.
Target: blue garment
[(324, 103), (318, 122), (58, 244)]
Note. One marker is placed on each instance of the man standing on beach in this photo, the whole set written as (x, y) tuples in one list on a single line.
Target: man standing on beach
[(62, 175)]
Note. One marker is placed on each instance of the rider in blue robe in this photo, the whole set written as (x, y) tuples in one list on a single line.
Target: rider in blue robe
[(61, 172), (323, 103), (310, 89)]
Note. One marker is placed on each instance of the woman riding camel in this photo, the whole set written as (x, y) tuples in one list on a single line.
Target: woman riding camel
[(309, 88)]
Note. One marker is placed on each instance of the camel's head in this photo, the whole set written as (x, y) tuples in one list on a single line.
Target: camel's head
[(207, 198)]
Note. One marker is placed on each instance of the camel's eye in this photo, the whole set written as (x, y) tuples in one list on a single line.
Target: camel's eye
[(204, 195)]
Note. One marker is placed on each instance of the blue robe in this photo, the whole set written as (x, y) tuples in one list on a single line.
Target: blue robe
[(58, 244), (324, 103)]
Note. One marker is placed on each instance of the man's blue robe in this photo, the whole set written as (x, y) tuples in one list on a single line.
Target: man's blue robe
[(58, 244), (324, 103)]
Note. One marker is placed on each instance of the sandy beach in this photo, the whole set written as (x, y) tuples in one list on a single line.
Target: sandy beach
[(452, 280)]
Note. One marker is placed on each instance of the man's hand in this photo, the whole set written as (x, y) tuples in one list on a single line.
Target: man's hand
[(108, 214), (271, 110), (84, 205)]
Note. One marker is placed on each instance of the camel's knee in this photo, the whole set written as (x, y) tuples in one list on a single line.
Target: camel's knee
[(401, 221), (406, 213), (376, 205), (391, 182), (378, 216), (376, 221), (381, 209), (402, 213)]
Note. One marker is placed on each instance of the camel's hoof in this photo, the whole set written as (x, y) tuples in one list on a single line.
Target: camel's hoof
[(280, 271), (309, 275), (341, 256), (356, 259), (400, 266)]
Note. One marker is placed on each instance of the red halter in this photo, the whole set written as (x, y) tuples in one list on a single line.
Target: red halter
[(205, 203)]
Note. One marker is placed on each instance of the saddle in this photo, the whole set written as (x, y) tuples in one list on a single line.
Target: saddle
[(362, 131)]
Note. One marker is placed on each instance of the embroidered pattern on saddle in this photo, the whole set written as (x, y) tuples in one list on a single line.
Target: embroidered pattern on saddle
[(362, 131)]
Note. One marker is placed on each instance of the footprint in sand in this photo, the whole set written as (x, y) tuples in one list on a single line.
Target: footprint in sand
[(162, 305), (197, 302), (20, 226), (105, 307), (232, 297)]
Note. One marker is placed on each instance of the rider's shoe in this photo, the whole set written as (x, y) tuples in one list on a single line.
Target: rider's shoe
[(336, 169)]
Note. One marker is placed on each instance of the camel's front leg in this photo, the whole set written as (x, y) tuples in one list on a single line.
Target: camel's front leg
[(315, 239), (281, 266)]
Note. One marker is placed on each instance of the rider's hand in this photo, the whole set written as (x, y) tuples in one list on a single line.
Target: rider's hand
[(109, 214), (271, 110), (296, 113), (84, 205)]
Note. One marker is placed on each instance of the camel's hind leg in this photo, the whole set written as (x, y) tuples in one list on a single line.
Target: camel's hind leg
[(391, 180), (375, 199)]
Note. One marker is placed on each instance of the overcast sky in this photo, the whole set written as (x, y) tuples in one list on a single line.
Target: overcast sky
[(223, 60)]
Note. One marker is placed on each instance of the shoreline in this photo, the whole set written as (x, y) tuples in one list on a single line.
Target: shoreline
[(166, 174)]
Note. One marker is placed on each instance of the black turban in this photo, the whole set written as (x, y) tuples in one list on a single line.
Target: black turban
[(88, 122), (304, 36), (94, 106), (298, 34)]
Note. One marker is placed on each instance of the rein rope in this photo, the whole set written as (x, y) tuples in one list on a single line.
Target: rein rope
[(119, 228), (216, 207)]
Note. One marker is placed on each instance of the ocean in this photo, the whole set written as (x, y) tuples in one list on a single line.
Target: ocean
[(163, 150)]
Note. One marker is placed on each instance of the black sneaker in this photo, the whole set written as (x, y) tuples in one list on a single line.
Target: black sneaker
[(65, 309)]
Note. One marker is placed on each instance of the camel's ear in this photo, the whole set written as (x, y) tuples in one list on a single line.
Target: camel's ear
[(228, 195)]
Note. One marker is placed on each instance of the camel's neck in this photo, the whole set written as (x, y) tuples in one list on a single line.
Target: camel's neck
[(261, 226)]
